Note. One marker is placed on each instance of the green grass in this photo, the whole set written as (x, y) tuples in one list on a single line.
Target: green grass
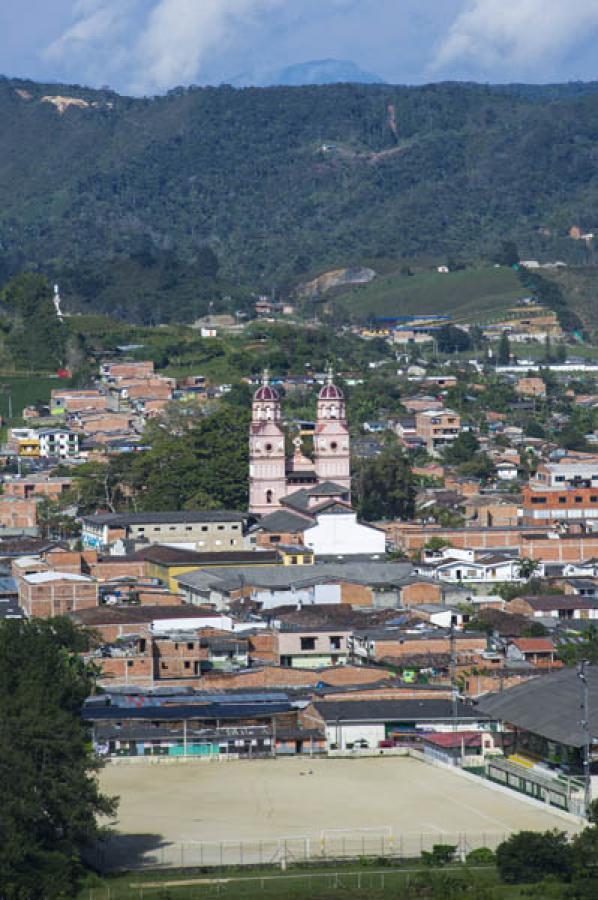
[(355, 882), (26, 390), (471, 294)]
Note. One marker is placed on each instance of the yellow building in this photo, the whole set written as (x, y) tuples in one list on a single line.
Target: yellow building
[(167, 563)]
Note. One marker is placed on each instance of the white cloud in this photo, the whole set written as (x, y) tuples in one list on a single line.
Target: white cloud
[(515, 36), (153, 45), (180, 34)]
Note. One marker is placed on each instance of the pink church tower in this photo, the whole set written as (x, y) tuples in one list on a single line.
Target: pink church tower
[(332, 451), (267, 478)]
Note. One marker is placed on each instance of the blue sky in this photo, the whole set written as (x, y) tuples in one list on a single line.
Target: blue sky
[(149, 46)]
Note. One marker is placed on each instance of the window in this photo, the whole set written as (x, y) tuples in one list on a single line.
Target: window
[(188, 528), (129, 663), (308, 643), (538, 500), (562, 499), (220, 527), (204, 527), (269, 496), (579, 499), (593, 499), (234, 527), (268, 448), (275, 539), (334, 446), (187, 664), (335, 643), (294, 560), (190, 645), (164, 665), (157, 528)]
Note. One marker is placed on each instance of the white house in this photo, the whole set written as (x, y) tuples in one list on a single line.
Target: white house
[(506, 471), (489, 569), (338, 533)]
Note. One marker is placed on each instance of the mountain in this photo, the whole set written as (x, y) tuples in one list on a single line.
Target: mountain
[(324, 71), (160, 209)]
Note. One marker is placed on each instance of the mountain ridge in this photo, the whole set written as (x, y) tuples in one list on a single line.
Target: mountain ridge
[(278, 184)]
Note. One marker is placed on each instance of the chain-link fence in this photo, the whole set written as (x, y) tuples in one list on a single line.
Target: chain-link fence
[(139, 852)]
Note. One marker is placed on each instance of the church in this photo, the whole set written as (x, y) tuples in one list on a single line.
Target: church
[(272, 476)]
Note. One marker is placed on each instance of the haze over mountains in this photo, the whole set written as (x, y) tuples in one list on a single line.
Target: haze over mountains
[(276, 184)]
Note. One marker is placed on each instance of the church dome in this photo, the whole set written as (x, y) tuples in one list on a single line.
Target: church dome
[(266, 393), (330, 392)]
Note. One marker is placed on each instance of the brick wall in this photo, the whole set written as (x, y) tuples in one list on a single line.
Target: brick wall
[(56, 598), (416, 594), (357, 594)]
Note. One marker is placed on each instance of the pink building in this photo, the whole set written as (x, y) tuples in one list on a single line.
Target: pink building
[(272, 476)]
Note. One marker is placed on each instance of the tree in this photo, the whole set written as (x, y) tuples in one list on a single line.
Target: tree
[(50, 796), (36, 338), (480, 466), (529, 856), (462, 449), (527, 567), (507, 254), (571, 438), (450, 339), (384, 485), (503, 354)]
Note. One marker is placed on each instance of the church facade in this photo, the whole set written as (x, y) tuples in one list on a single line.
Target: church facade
[(273, 476)]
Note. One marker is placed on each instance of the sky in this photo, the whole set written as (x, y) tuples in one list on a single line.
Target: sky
[(146, 47)]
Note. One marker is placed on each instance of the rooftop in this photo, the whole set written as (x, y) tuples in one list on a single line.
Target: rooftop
[(174, 516)]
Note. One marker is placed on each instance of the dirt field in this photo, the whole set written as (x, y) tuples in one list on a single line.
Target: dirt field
[(271, 799)]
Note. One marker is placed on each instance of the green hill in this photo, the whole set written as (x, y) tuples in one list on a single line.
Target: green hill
[(153, 209), (471, 294)]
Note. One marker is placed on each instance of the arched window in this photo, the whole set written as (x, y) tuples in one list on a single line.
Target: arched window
[(269, 496)]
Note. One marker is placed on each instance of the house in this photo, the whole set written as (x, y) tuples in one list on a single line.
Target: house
[(530, 387), (566, 606), (114, 622), (44, 595), (437, 429), (312, 648), (540, 652), (506, 470), (395, 642), (370, 724), (460, 565), (210, 530)]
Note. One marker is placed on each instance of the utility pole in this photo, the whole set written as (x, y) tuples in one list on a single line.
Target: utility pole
[(453, 671), (585, 725)]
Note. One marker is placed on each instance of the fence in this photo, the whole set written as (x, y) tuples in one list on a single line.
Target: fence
[(132, 852)]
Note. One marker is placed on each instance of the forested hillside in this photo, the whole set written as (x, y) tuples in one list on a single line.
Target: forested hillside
[(152, 208)]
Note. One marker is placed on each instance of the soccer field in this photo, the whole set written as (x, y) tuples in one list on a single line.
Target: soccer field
[(353, 803)]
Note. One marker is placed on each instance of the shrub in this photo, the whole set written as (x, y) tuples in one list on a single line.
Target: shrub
[(530, 856)]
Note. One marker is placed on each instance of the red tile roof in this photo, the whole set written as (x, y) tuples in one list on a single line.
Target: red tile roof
[(534, 645)]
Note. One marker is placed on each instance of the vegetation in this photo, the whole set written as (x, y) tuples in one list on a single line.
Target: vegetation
[(50, 797), (196, 461), (384, 486), (174, 203)]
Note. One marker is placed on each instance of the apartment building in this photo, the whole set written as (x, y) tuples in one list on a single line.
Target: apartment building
[(437, 429), (193, 530), (550, 504)]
